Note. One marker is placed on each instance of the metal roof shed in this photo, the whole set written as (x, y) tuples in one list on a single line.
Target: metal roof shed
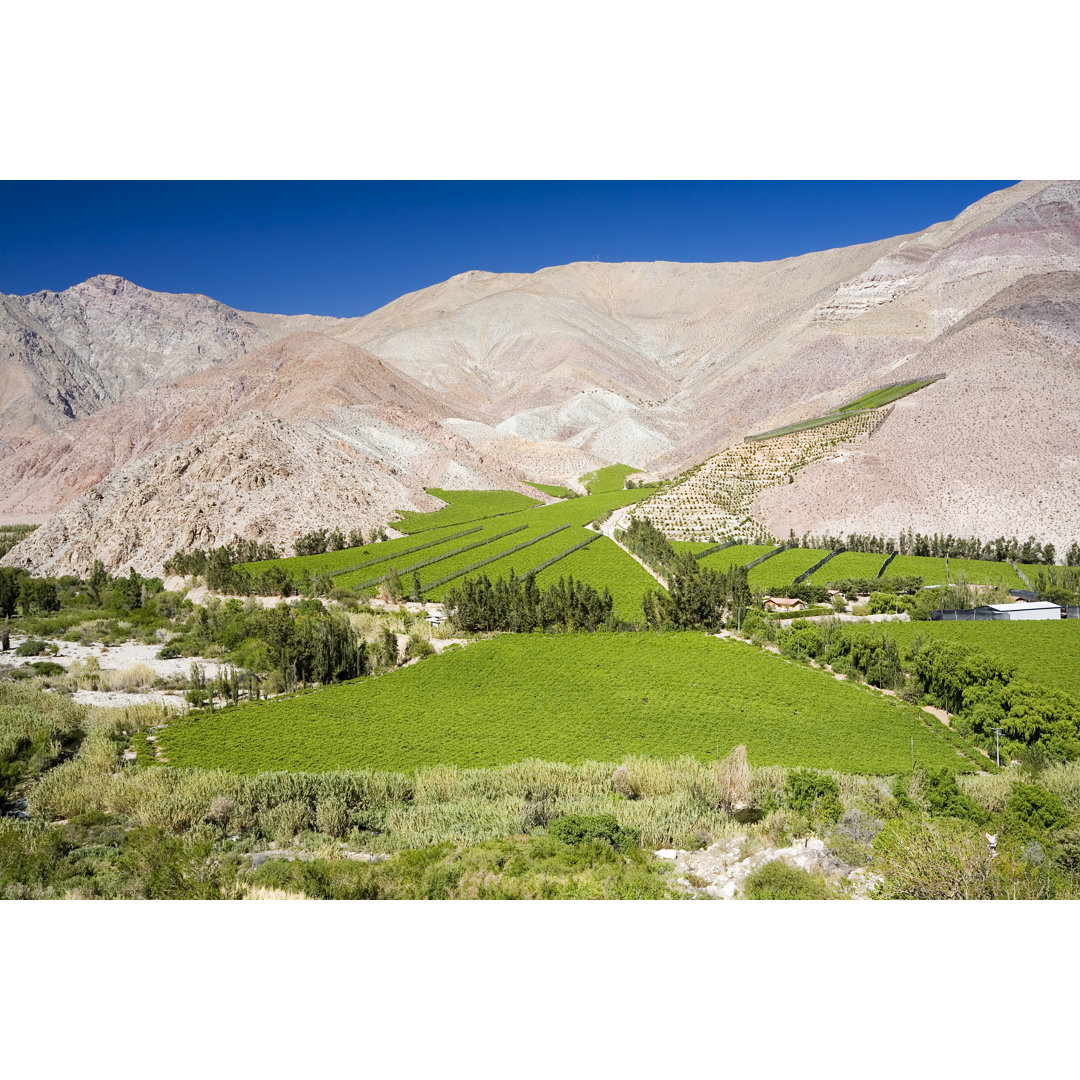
[(1038, 609)]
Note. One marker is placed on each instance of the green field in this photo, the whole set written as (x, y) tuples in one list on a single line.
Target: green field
[(446, 558), (463, 506), (852, 564), (540, 548), (692, 546), (551, 489), (611, 478), (573, 698), (739, 555), (784, 568), (424, 543), (1044, 652), (333, 562), (876, 398), (977, 571), (603, 564)]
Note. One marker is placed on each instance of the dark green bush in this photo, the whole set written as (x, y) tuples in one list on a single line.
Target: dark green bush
[(813, 794), (31, 647), (578, 828), (777, 881), (945, 799), (47, 667), (1032, 809)]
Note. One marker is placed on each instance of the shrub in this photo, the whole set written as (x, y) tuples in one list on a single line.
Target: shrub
[(220, 811), (539, 810), (940, 859), (776, 880), (31, 647), (1064, 781), (575, 829), (859, 826), (417, 648), (1033, 809), (989, 790), (849, 851), (47, 667), (283, 821), (813, 794), (945, 798)]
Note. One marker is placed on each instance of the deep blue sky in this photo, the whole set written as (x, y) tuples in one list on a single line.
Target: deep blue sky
[(347, 248)]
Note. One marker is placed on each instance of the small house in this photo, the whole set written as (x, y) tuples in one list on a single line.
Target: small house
[(1026, 595), (784, 603)]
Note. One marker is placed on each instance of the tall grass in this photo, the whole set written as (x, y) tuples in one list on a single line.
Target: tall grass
[(680, 802), (1064, 781), (88, 675), (989, 790)]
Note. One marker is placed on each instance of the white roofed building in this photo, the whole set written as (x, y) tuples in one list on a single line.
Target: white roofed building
[(1032, 609)]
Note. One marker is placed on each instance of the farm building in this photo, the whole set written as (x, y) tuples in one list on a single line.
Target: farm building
[(1026, 609), (784, 603), (1039, 609)]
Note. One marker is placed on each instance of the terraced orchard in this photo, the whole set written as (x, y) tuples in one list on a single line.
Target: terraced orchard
[(449, 544), (714, 501), (575, 697)]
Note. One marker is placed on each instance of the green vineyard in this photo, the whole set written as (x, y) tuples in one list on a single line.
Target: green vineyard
[(572, 698)]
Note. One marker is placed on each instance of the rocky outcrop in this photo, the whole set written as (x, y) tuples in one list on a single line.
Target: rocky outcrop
[(65, 355), (258, 478)]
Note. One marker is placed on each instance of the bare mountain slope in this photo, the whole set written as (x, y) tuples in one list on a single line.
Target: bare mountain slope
[(496, 378), (300, 377), (67, 354), (302, 433), (258, 478), (702, 353), (993, 449), (64, 355)]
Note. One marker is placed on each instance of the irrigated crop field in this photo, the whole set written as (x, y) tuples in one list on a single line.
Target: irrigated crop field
[(603, 564), (932, 571), (851, 564), (739, 555), (693, 546), (572, 698), (551, 489), (876, 398), (335, 562), (784, 568), (463, 506), (521, 539), (611, 478), (1045, 652)]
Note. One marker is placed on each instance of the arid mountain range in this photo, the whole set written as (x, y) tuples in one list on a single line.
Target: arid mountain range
[(133, 423)]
